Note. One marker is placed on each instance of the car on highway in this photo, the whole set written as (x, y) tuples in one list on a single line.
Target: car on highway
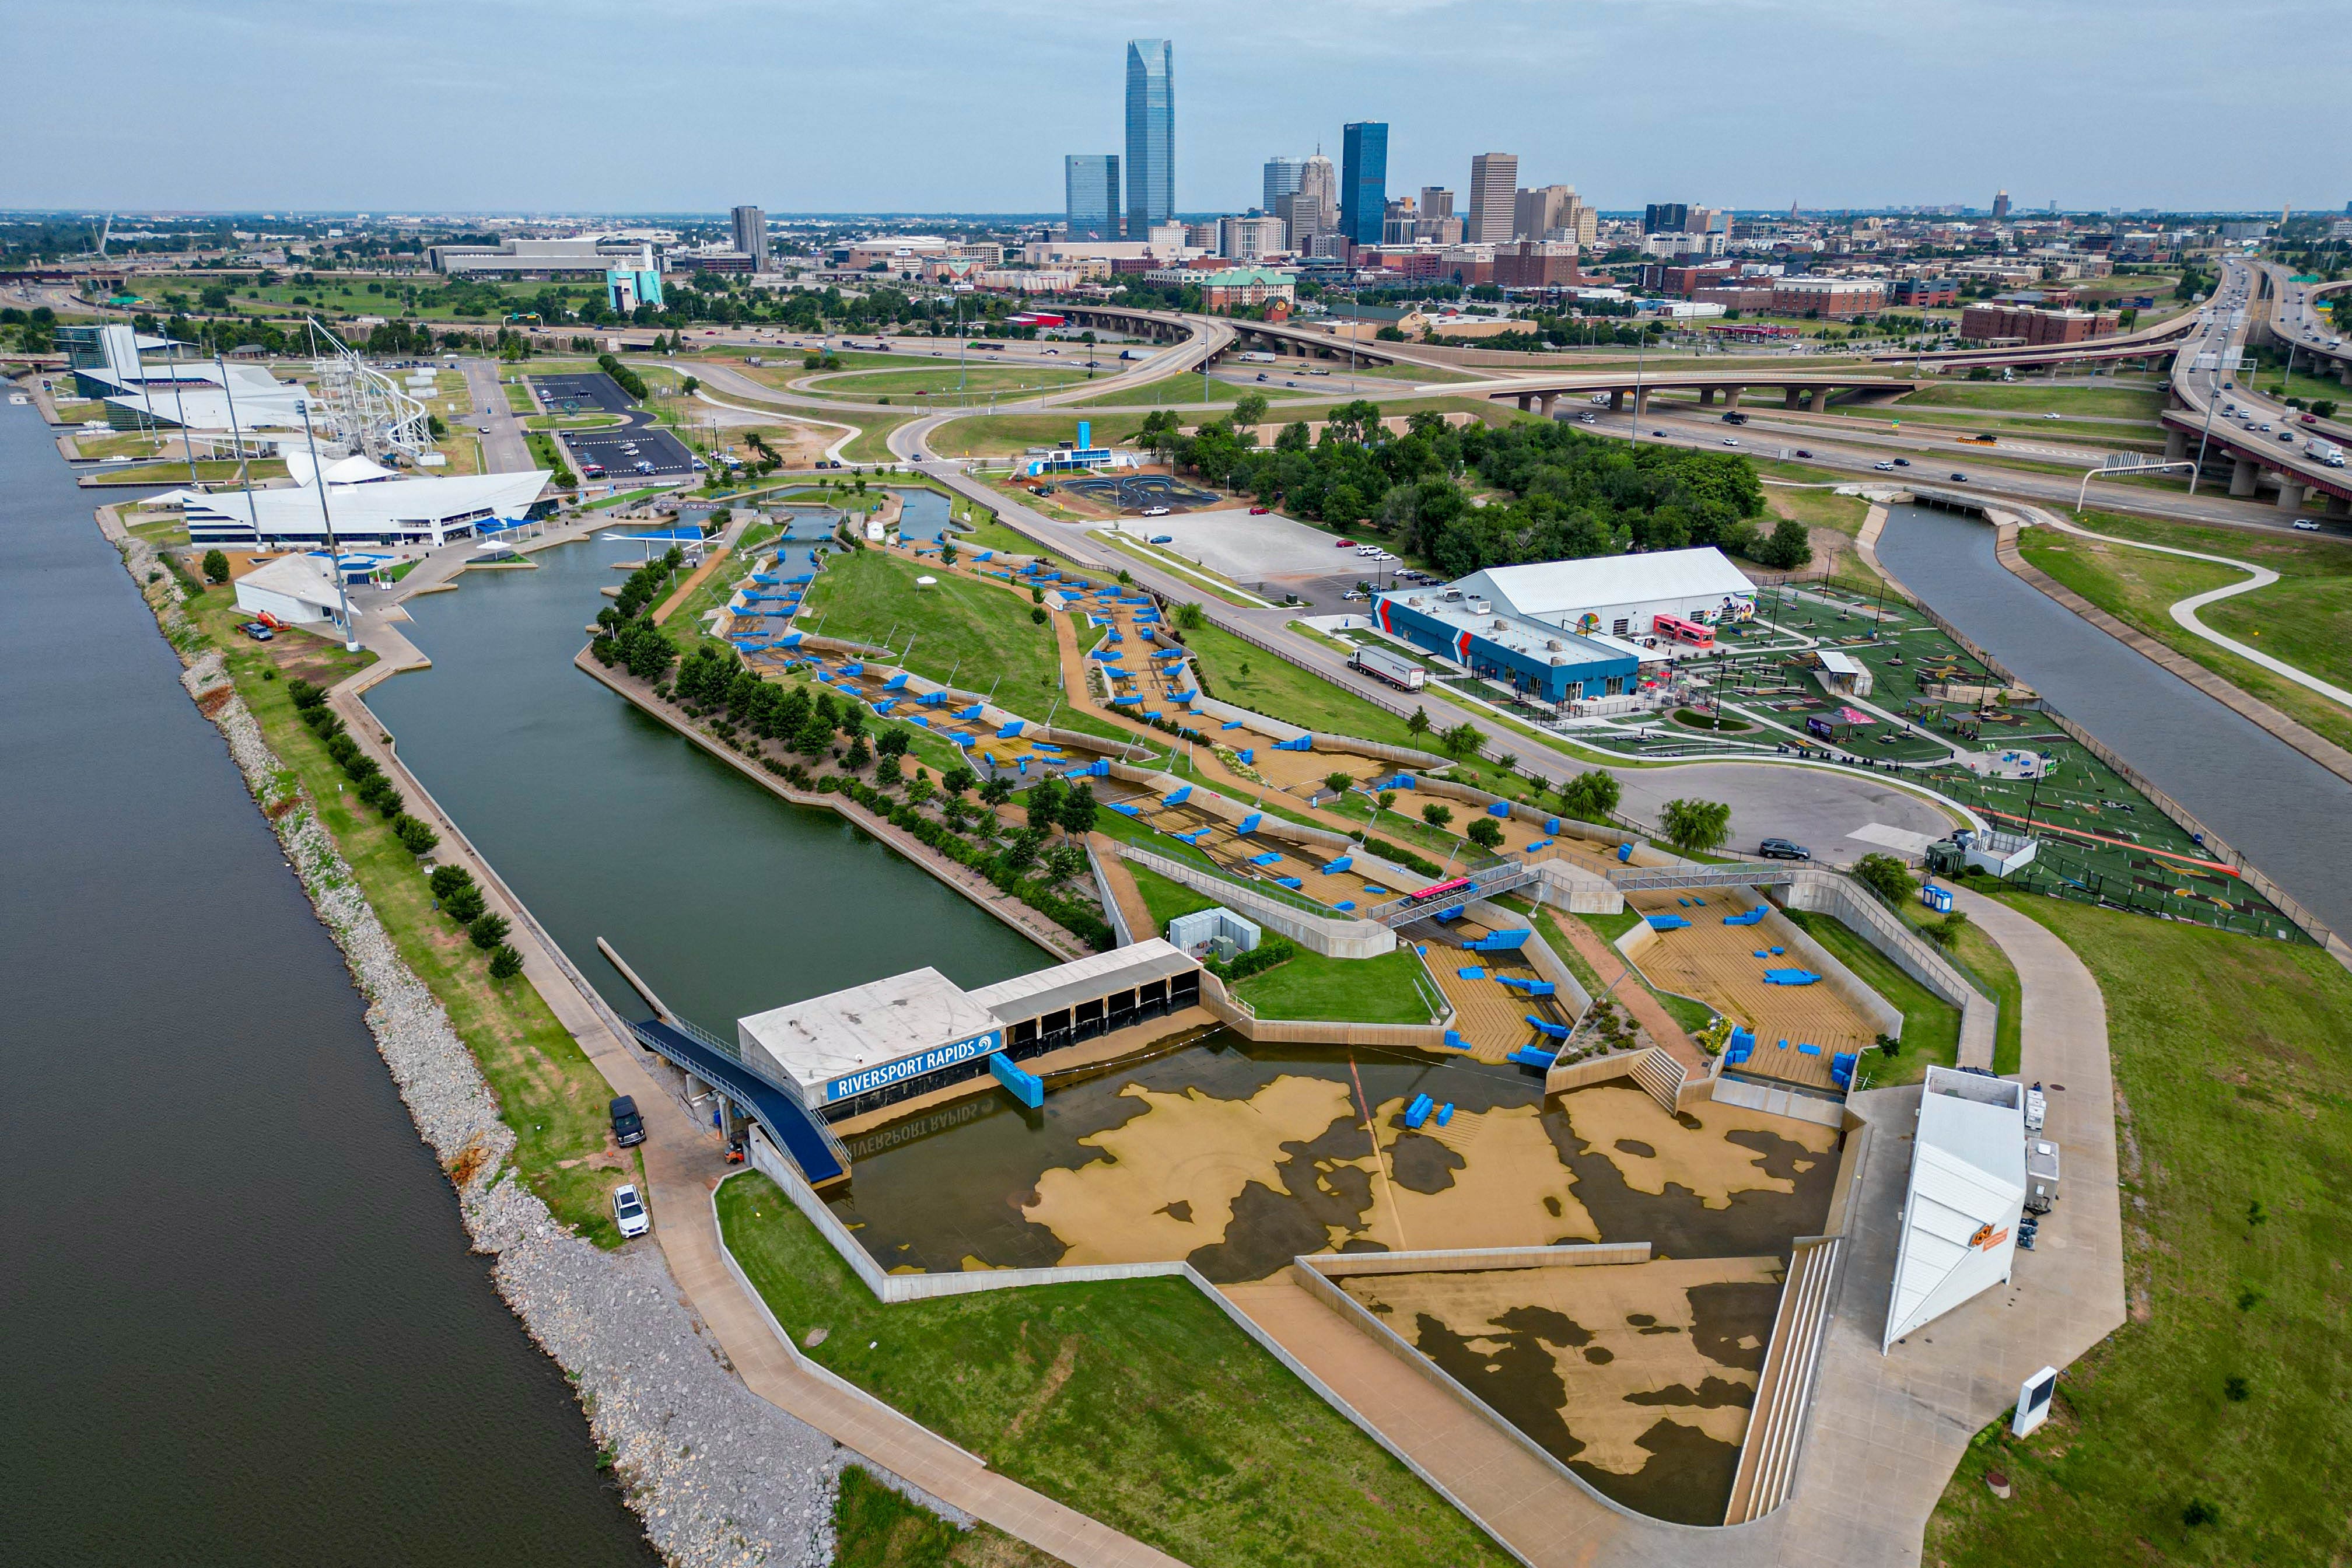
[(1902, 462), (1783, 849), (2287, 436), (256, 631), (1802, 453), (1731, 440), (2054, 416), (629, 1211), (1587, 417), (1660, 434), (2305, 525), (1884, 467), (1260, 375), (1960, 479)]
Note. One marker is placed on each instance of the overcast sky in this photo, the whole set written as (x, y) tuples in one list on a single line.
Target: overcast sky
[(968, 105)]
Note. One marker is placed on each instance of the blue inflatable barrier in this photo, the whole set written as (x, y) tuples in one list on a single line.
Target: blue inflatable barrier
[(1248, 754), (1471, 971), (1293, 883), (1445, 1113), (1304, 743), (1180, 795), (1124, 809), (1534, 1057), (794, 640), (1529, 987), (919, 719), (896, 683), (1809, 1050), (1377, 892), (1500, 942), (1455, 1042), (1779, 951), (1625, 853), (1667, 922), (1841, 1066), (884, 705), (1418, 1112), (1455, 914), (1750, 919), (1230, 725), (1334, 868), (971, 712), (1009, 732), (1552, 826), (1791, 977), (1026, 1086), (1540, 844), (1249, 823), (1268, 858), (1499, 808), (1549, 1031), (854, 666)]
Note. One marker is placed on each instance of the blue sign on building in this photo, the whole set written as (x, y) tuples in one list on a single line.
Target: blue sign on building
[(922, 1064)]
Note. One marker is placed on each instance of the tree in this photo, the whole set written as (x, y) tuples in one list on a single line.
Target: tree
[(815, 737), (216, 566), (446, 879), (1418, 723), (1486, 833), (858, 756), (1786, 547), (416, 835), (1064, 862), (506, 963), (890, 743), (1591, 795), (996, 792), (1249, 410), (1079, 809), (1436, 815), (1046, 798), (957, 780), (1339, 783), (463, 906), (1462, 740), (486, 931), (888, 773), (1696, 827), (1037, 614), (1884, 875)]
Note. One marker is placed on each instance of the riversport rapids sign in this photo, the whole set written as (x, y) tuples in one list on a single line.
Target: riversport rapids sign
[(920, 1065)]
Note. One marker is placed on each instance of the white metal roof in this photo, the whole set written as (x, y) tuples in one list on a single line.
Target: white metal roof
[(832, 1036), (1083, 980), (1967, 1190), (1839, 663), (1548, 589), (368, 509)]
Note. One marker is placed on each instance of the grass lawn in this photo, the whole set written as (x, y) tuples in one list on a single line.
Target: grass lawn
[(547, 1089), (872, 442), (986, 533), (2026, 397), (999, 434), (2231, 1090), (978, 631), (939, 383), (1931, 1026), (1137, 1402), (1356, 990), (2298, 619), (1236, 672), (1166, 898), (875, 1527)]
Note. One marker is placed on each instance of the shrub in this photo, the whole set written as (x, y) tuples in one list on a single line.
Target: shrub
[(1884, 875), (505, 964), (487, 930), (1397, 855), (1269, 952), (419, 837), (1037, 614), (216, 565)]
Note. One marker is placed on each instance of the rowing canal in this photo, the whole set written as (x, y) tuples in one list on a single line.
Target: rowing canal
[(2276, 807), (244, 1323)]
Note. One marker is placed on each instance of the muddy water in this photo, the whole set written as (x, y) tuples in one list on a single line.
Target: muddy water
[(1240, 1157)]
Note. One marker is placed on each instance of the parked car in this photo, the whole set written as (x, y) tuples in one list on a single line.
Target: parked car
[(1163, 539), (592, 470), (629, 1211), (643, 467), (1346, 544), (1782, 850), (1260, 510), (256, 631), (1155, 512), (628, 1127), (481, 429)]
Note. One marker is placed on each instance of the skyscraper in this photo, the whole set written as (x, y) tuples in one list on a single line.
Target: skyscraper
[(1538, 212), (1494, 182), (1664, 217), (1090, 194), (1436, 201), (1151, 135), (751, 236), (1363, 180), (2001, 206), (1312, 207), (1281, 179)]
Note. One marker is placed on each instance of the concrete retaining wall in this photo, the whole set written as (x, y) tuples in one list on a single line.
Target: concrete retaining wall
[(1330, 936), (1342, 1264), (1114, 915), (1538, 952), (1883, 1014), (1565, 885)]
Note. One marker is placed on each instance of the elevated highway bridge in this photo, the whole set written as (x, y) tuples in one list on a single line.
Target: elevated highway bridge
[(2204, 389)]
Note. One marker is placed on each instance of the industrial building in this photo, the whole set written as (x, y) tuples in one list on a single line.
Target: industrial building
[(543, 259), (1540, 660), (1965, 1196), (418, 513), (889, 1040), (1618, 595)]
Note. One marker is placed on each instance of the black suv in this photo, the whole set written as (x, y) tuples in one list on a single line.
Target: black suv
[(628, 1127), (1782, 850)]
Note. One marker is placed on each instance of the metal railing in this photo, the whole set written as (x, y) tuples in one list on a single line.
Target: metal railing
[(1183, 856), (1661, 879), (1485, 884)]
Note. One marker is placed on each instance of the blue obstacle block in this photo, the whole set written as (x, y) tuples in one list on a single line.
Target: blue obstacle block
[(1377, 892), (1303, 743), (1842, 1068), (1779, 951), (1445, 1113), (1751, 918), (1540, 844), (919, 719), (1293, 883), (1529, 987), (884, 705), (1667, 922), (1700, 903), (854, 666), (1552, 826), (1230, 725), (1501, 942), (1471, 971), (1791, 977), (1345, 906), (896, 683), (1249, 823), (1534, 1057), (1684, 902), (1026, 1086), (1180, 795), (1499, 808), (1761, 954), (1268, 858), (1626, 852), (1009, 732), (1809, 1050), (1124, 810), (1248, 754), (1783, 1045), (1452, 914), (1550, 1031), (1418, 1112), (1341, 864), (1455, 1042)]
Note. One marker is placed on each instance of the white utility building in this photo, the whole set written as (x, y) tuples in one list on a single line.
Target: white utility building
[(1967, 1194), (298, 590), (376, 511), (1618, 595)]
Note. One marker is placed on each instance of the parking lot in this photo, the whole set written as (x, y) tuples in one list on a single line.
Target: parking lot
[(1248, 549), (592, 393), (620, 451)]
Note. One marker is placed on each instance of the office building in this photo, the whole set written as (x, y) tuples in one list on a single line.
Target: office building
[(1436, 201), (1536, 264), (1537, 214), (1090, 195), (541, 259), (1281, 179), (1250, 239), (1665, 217), (1312, 206), (2001, 206), (1828, 298), (1363, 180), (1493, 180), (1151, 135), (751, 236)]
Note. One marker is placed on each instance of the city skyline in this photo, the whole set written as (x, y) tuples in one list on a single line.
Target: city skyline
[(2071, 130)]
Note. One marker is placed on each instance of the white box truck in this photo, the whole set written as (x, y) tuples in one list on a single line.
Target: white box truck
[(2327, 452), (1396, 669)]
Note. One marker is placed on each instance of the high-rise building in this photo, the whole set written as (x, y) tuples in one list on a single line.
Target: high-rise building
[(1090, 199), (1363, 180), (1281, 179), (1494, 179), (1250, 239), (1535, 213), (751, 236), (2001, 206), (1664, 217), (1312, 207), (1436, 201), (1151, 134)]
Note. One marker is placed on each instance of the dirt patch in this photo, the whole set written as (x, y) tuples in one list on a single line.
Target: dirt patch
[(1066, 1360)]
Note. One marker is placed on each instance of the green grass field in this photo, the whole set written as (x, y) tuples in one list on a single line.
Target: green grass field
[(2298, 619), (547, 1089), (1236, 672), (2026, 397), (2231, 1092), (1364, 990), (875, 1527), (1137, 1402), (981, 633), (938, 384), (1931, 1026)]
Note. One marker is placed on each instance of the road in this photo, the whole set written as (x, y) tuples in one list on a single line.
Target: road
[(506, 449)]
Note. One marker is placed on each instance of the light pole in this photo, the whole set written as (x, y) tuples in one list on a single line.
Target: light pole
[(334, 553), (244, 472)]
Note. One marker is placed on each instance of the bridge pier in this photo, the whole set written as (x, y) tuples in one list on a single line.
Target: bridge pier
[(2339, 506), (2243, 472), (1544, 404), (1526, 402), (2176, 446), (2290, 493), (1791, 396), (1819, 401), (2344, 373), (1617, 401), (1706, 397), (1731, 397), (1641, 402)]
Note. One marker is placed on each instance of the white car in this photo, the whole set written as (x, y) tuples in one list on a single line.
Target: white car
[(2053, 417), (2305, 525), (1731, 440), (1884, 467), (629, 1211)]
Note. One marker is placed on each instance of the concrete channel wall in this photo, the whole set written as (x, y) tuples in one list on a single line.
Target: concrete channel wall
[(1331, 937), (1538, 952)]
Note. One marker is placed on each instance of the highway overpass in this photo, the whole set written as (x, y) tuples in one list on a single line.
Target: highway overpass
[(2149, 344)]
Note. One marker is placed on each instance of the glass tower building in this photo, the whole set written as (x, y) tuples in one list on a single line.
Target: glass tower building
[(1363, 180), (1281, 180), (1151, 135), (1090, 194)]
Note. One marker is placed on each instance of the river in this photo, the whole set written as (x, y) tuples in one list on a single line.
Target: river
[(243, 1324), (2274, 804)]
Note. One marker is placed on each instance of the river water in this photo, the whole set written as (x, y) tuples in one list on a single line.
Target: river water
[(2274, 804), (243, 1322)]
